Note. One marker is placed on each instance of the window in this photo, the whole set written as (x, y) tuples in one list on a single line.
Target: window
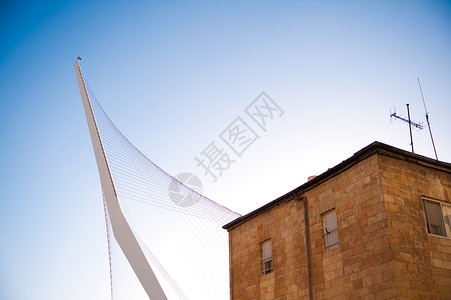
[(267, 257), (438, 218), (330, 228)]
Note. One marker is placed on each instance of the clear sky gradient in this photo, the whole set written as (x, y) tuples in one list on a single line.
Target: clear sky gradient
[(172, 76)]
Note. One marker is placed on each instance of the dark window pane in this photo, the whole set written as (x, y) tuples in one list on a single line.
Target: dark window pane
[(434, 218)]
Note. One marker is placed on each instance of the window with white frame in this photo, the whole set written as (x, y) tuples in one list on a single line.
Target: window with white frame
[(330, 228), (438, 217), (267, 257)]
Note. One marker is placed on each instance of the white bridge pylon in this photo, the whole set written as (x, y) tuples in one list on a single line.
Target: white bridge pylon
[(121, 229)]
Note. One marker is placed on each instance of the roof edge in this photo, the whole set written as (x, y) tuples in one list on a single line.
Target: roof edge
[(373, 148)]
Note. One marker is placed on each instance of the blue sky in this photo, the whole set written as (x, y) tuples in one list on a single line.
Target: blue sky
[(172, 76)]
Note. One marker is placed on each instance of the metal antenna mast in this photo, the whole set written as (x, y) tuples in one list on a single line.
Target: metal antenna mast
[(427, 119), (411, 123)]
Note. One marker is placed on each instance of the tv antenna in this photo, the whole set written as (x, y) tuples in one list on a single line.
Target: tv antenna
[(427, 118), (411, 123)]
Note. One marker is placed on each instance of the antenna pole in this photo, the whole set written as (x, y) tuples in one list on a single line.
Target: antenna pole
[(410, 127), (410, 122), (427, 119)]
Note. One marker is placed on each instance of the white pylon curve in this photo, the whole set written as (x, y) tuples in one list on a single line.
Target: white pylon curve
[(121, 229)]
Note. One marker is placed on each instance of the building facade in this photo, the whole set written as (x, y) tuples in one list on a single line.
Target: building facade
[(376, 226)]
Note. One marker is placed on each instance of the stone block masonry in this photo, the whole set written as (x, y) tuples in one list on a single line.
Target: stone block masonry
[(384, 249)]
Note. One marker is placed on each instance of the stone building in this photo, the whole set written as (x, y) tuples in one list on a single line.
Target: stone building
[(377, 227)]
